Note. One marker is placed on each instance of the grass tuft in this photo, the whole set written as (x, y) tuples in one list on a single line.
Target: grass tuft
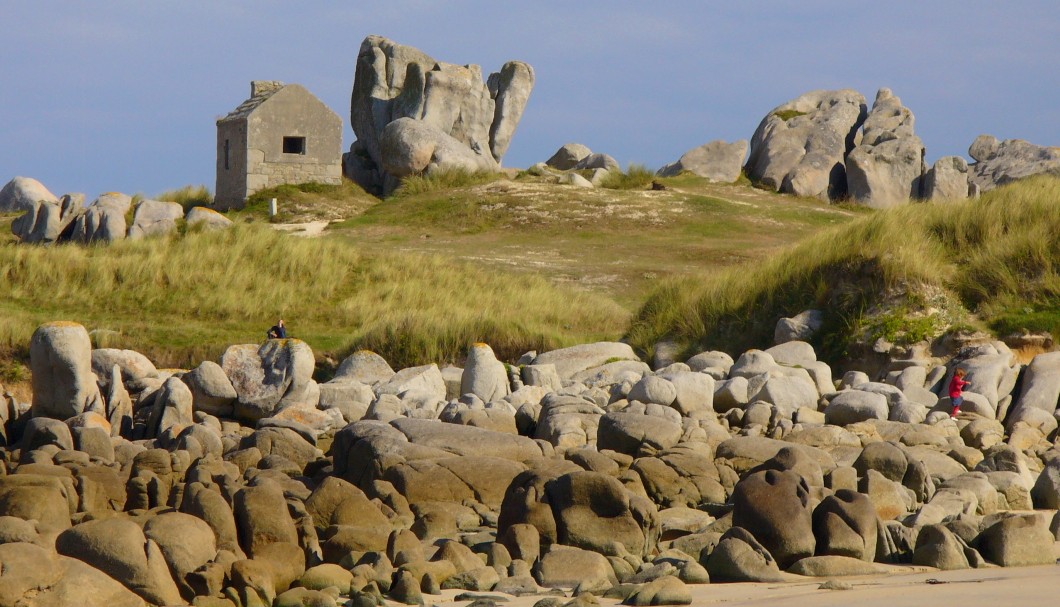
[(635, 177), (415, 185), (188, 196), (183, 298), (997, 257)]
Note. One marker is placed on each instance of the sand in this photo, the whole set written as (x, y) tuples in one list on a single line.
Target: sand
[(907, 586)]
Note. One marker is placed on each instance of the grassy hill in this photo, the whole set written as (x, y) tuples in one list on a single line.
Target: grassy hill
[(527, 264), (905, 274)]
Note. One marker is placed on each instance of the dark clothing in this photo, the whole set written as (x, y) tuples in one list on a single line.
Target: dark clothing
[(277, 332)]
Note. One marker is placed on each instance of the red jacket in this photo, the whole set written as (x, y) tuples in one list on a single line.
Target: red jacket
[(956, 385)]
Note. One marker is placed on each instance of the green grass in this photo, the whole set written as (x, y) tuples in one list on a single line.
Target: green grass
[(181, 299), (304, 202), (188, 196), (905, 273), (415, 185), (635, 177)]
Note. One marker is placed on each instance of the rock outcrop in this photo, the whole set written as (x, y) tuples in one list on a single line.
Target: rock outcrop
[(717, 161), (22, 194), (800, 147), (246, 480), (885, 169), (451, 103), (1000, 162)]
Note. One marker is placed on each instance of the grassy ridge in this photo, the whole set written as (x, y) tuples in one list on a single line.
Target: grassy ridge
[(183, 298), (929, 264)]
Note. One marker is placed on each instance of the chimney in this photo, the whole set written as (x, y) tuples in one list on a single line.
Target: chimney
[(264, 87)]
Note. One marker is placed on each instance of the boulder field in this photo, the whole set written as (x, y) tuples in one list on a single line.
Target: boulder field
[(575, 472)]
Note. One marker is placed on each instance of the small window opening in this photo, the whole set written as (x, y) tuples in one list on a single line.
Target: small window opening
[(226, 154), (294, 145)]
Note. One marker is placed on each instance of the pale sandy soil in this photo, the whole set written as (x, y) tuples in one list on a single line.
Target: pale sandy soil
[(907, 587), (311, 229)]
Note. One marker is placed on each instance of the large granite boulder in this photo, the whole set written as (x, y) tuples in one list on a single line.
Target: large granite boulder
[(886, 167), (37, 576), (595, 512), (1040, 388), (568, 155), (206, 219), (574, 359), (411, 147), (717, 161), (393, 81), (999, 162), (153, 217), (484, 375), (61, 361), (269, 377), (103, 220), (845, 524), (21, 193), (119, 548), (774, 507), (799, 147), (947, 179), (45, 221)]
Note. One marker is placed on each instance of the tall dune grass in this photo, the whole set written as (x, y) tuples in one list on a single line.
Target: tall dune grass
[(183, 298), (998, 256)]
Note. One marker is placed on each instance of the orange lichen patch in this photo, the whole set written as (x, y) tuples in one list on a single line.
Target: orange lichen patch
[(479, 344), (62, 323)]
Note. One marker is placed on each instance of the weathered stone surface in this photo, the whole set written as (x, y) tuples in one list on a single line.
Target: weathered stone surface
[(569, 361), (207, 219), (800, 327), (998, 163), (410, 147), (45, 221), (800, 146), (1040, 387), (653, 389), (262, 518), (834, 566), (426, 379), (484, 375), (885, 169), (717, 161), (853, 406), (394, 82), (597, 161), (567, 156), (739, 557), (21, 193), (61, 361), (937, 546), (269, 377), (774, 507), (211, 390), (947, 179), (567, 567), (154, 217), (119, 548), (38, 577), (187, 543), (366, 367), (845, 524), (636, 434), (1018, 540), (103, 220)]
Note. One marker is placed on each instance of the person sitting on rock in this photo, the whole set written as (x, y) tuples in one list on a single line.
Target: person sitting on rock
[(277, 331), (956, 385)]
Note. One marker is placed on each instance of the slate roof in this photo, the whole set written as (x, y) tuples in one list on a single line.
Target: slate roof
[(247, 107)]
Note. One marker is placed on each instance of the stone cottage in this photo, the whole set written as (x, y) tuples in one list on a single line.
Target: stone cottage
[(281, 134)]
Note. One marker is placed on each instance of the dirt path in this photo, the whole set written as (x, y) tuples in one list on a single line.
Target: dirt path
[(311, 229)]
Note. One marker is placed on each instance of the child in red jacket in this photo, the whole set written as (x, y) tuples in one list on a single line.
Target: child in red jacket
[(956, 385)]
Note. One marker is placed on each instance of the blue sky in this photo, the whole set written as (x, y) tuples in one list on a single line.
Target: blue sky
[(122, 95)]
